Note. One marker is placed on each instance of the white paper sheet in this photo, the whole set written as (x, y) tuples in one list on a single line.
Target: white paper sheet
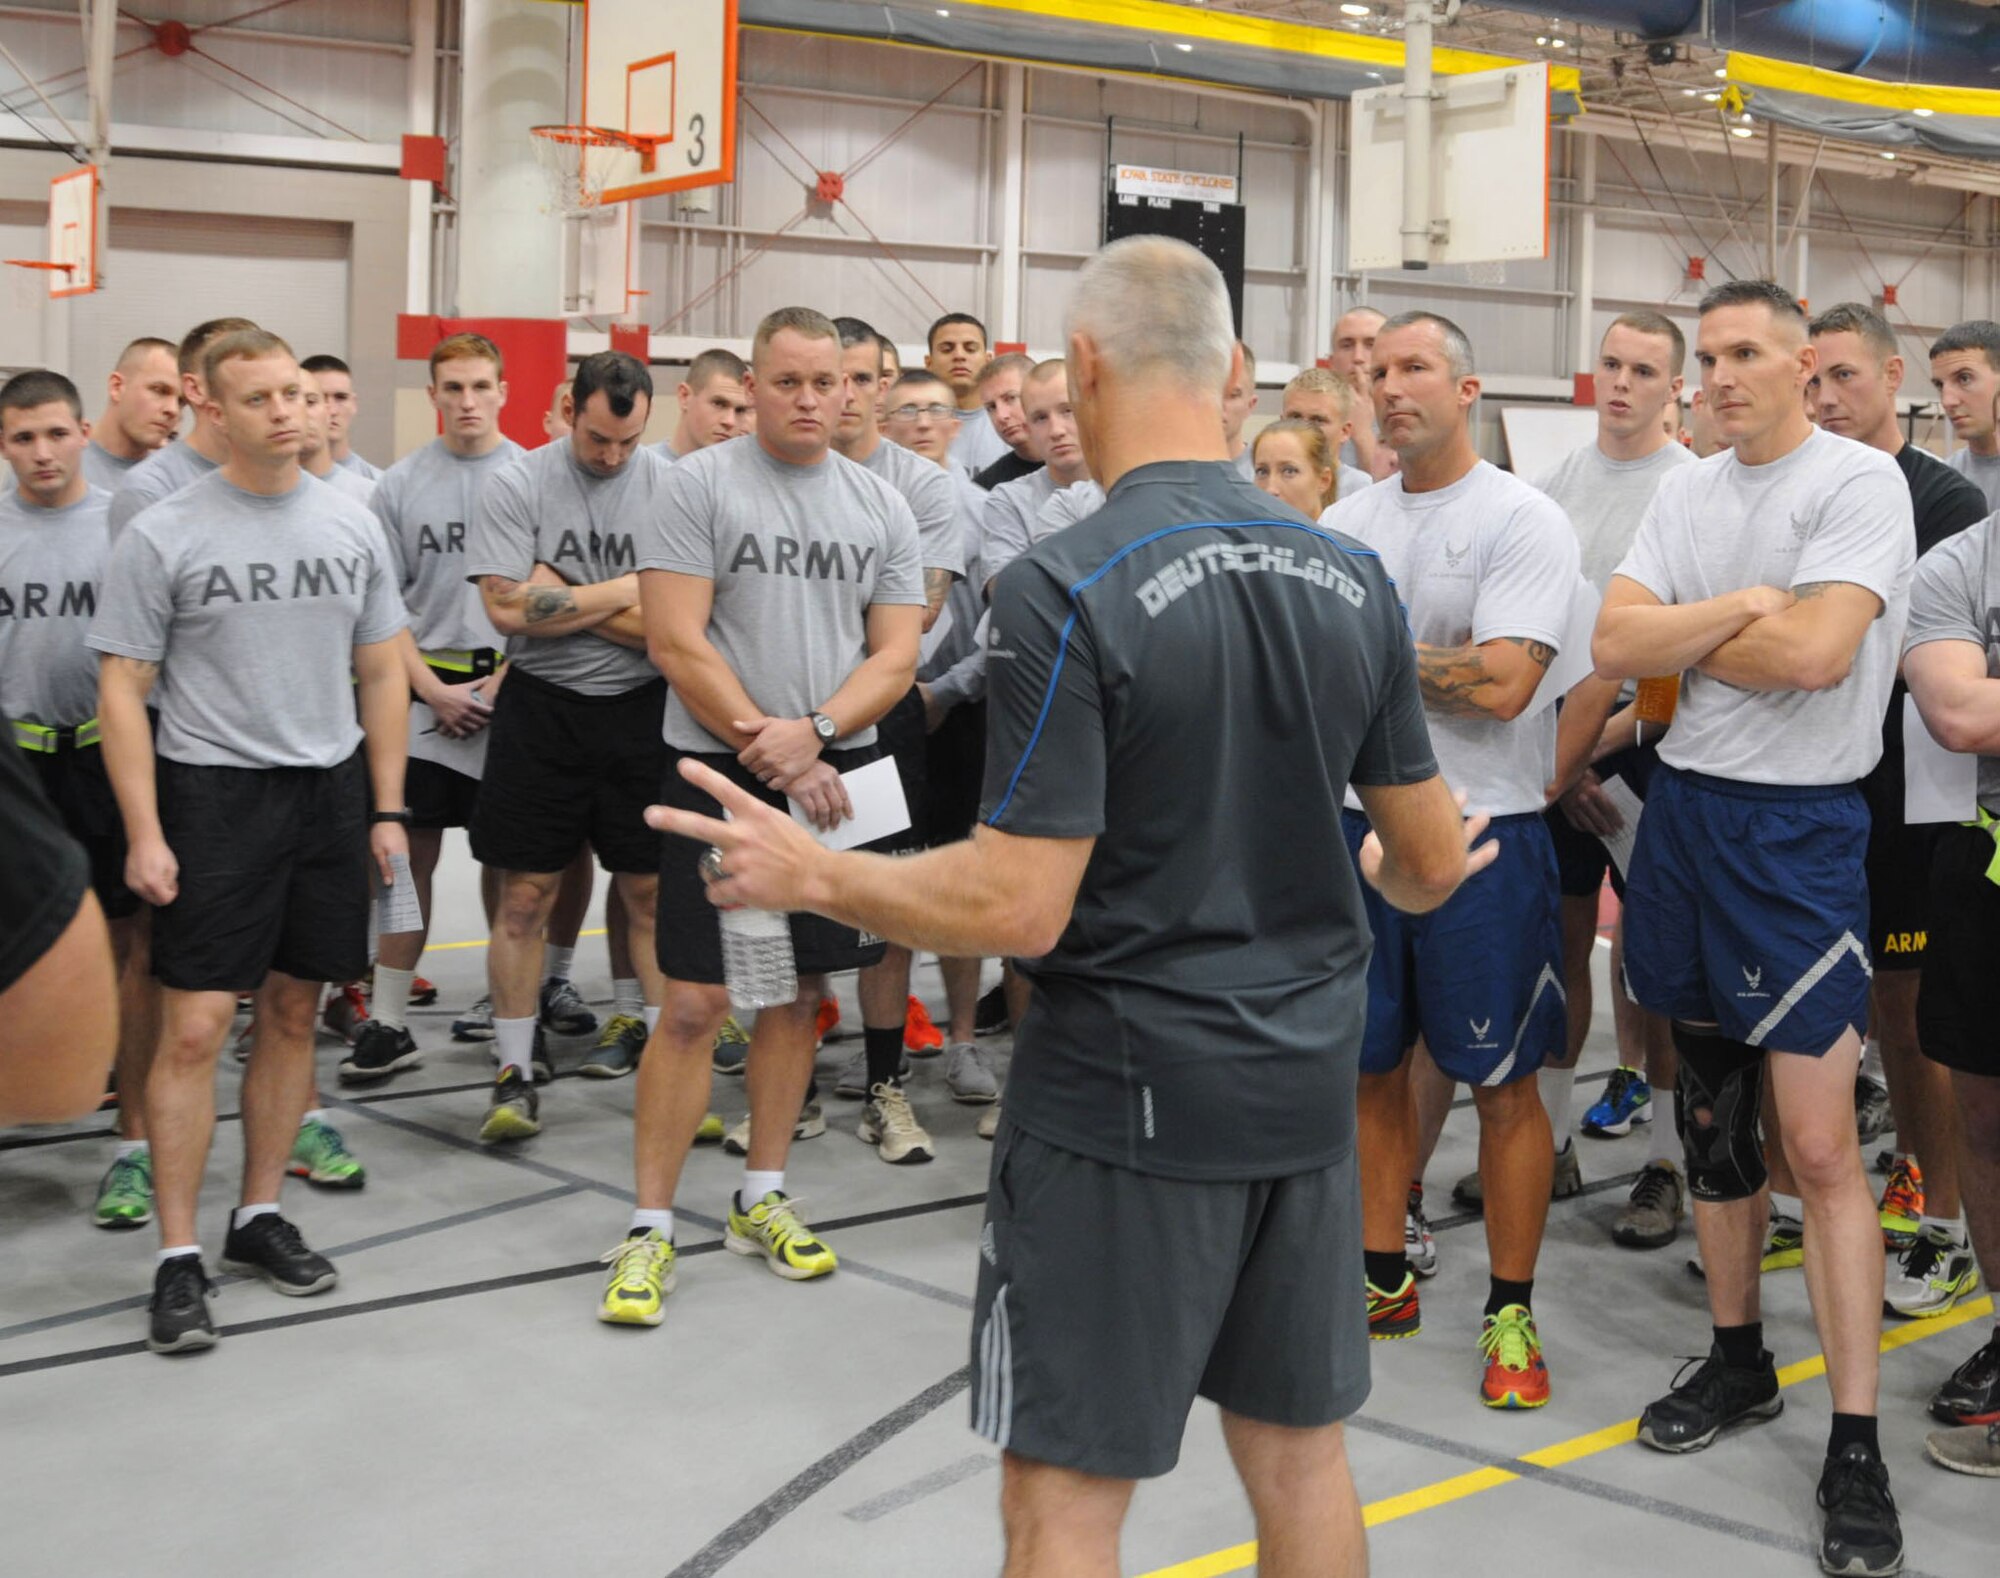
[(876, 792), (1620, 844), (396, 906), (427, 744), (1938, 785)]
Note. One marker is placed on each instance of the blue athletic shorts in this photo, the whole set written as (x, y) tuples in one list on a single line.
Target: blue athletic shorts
[(1480, 977), (1747, 907)]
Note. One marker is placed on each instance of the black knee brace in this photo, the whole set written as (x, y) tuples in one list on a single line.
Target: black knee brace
[(1718, 1105)]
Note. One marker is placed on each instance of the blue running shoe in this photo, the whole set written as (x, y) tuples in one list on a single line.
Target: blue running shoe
[(1627, 1100)]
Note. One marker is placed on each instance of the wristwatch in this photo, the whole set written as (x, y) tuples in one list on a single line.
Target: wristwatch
[(823, 726), (389, 816)]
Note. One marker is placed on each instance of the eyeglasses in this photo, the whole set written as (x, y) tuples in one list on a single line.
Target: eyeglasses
[(909, 413)]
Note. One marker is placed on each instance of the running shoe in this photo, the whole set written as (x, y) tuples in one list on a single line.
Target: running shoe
[(641, 1277), (852, 1083), (1885, 1162), (1652, 1215), (888, 1124), (422, 993), (563, 1010), (1970, 1449), (178, 1318), (921, 1038), (1872, 1119), (541, 1060), (379, 1051), (1931, 1276), (1706, 1397), (273, 1249), (1860, 1533), (826, 1021), (346, 1010), (125, 1193), (990, 1017), (1516, 1374), (811, 1125), (515, 1112), (476, 1023), (617, 1051), (1396, 1314), (1419, 1244), (1784, 1245), (1627, 1100), (1902, 1208), (969, 1076), (732, 1048), (1971, 1396), (321, 1157), (989, 1122), (774, 1229), (709, 1132)]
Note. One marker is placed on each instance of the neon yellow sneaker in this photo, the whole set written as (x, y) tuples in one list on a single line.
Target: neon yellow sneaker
[(1516, 1374), (642, 1275), (710, 1132), (773, 1228)]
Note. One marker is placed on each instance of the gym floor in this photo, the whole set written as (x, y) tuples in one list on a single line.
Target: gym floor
[(455, 1407)]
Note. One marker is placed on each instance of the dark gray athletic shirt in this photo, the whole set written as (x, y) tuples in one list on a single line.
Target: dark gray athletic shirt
[(1191, 676)]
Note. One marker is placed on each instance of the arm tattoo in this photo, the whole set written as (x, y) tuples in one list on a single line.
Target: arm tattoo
[(1540, 652), (1456, 682), (937, 585), (138, 668), (1811, 589), (547, 602)]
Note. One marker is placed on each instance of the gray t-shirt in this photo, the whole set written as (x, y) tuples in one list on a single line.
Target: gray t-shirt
[(953, 663), (1348, 481), (798, 555), (928, 490), (253, 605), (424, 502), (1831, 510), (51, 570), (104, 469), (1955, 596), (1482, 560), (357, 487), (1605, 500), (979, 443), (167, 470), (545, 508), (1011, 509), (1065, 507), (368, 471), (1984, 470)]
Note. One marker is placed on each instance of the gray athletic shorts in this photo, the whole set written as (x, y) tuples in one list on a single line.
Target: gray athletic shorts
[(1109, 1300)]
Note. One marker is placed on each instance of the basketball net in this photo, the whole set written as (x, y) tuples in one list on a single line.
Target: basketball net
[(578, 161)]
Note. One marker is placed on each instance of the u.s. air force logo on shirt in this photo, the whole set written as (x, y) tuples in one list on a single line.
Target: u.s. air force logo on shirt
[(1184, 572)]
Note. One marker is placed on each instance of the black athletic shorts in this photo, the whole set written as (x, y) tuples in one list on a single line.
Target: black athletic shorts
[(439, 796), (1109, 1300), (687, 935), (43, 874), (900, 733), (79, 788), (1582, 861), (1958, 1004), (957, 772), (563, 770), (274, 875), (1899, 874)]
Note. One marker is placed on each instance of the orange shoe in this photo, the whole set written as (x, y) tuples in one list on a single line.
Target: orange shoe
[(1902, 1207), (828, 1019), (422, 993), (1516, 1376), (346, 1011), (921, 1038), (1394, 1314)]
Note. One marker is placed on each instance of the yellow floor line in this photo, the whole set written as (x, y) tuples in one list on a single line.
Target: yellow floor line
[(480, 942), (1241, 1558)]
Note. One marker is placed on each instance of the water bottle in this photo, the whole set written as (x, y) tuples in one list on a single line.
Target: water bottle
[(758, 965)]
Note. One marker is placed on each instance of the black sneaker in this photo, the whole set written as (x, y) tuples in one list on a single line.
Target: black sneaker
[(1860, 1534), (379, 1051), (990, 1017), (1972, 1394), (1701, 1403), (268, 1246), (181, 1322), (563, 1010), (541, 1061)]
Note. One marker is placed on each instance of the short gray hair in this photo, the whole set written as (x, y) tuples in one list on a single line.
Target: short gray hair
[(1457, 348), (1155, 307)]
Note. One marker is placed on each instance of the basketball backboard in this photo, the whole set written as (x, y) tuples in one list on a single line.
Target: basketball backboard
[(71, 264), (597, 262), (1489, 169), (665, 71)]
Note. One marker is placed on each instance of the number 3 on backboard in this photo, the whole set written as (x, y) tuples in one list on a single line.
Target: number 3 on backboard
[(663, 69)]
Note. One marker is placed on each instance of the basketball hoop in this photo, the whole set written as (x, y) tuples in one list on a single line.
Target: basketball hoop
[(66, 268), (579, 160)]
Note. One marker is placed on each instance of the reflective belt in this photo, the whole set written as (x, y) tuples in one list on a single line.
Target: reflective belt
[(39, 737), (1989, 824), (476, 663)]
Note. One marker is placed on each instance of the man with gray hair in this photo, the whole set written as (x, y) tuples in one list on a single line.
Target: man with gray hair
[(1188, 1069)]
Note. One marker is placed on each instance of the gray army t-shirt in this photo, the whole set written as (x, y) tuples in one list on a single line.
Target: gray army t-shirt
[(547, 508), (165, 471), (1485, 559), (798, 554), (1011, 509), (252, 604), (1831, 510), (979, 443), (1955, 596), (104, 469), (424, 502), (1983, 470), (367, 470), (927, 489), (1605, 500), (51, 572)]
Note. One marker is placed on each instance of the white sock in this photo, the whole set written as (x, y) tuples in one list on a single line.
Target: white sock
[(1871, 1063), (175, 1251), (627, 998), (132, 1148), (1788, 1206), (514, 1040), (652, 1017), (317, 1115), (645, 1221), (1556, 1085), (246, 1214), (756, 1186), (1946, 1231), (391, 1002), (558, 963)]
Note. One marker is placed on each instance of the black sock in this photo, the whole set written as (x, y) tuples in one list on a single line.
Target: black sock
[(1500, 1293), (1742, 1347), (1853, 1430), (1386, 1269), (885, 1055)]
